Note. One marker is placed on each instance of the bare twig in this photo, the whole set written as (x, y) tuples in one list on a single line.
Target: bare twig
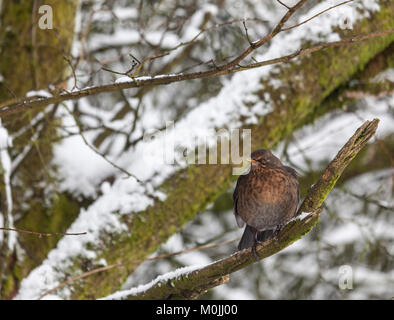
[(316, 48), (68, 60), (257, 44), (316, 15), (43, 234), (361, 94), (286, 6), (247, 34), (113, 71), (78, 123)]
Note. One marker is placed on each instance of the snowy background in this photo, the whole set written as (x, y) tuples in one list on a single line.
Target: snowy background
[(357, 224)]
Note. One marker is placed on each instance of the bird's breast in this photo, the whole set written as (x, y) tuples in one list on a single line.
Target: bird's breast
[(271, 185), (269, 197)]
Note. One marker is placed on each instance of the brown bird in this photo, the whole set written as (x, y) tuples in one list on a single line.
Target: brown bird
[(265, 199)]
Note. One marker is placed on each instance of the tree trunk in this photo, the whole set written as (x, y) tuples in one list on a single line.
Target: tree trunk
[(33, 58)]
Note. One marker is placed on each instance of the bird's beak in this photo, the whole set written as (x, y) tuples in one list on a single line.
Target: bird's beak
[(251, 161)]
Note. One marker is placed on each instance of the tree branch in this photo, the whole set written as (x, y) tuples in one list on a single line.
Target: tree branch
[(192, 284), (18, 105), (44, 234), (316, 15), (125, 263)]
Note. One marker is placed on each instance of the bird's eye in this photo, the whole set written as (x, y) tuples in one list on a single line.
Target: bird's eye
[(263, 161)]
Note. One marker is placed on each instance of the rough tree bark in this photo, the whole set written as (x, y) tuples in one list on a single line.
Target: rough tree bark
[(31, 59)]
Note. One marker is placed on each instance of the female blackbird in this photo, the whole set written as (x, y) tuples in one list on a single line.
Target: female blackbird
[(265, 199)]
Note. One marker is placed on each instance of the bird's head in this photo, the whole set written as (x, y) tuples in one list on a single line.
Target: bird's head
[(263, 158)]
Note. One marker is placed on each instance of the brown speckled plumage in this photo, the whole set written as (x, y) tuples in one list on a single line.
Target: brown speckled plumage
[(265, 199)]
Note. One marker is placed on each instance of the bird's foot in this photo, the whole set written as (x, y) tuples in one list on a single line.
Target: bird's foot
[(277, 231), (254, 251)]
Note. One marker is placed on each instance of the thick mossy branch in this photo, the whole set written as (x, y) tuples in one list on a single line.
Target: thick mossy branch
[(192, 284)]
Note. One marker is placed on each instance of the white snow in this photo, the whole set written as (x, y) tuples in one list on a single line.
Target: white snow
[(85, 170), (387, 75), (39, 93), (302, 216), (173, 275), (5, 164), (326, 142), (124, 79)]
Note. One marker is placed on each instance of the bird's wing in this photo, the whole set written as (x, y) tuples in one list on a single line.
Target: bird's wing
[(292, 171), (238, 218), (296, 175)]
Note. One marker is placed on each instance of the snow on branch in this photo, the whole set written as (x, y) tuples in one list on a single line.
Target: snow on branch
[(189, 283)]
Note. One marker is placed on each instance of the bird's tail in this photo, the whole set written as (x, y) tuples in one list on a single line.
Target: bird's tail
[(248, 238)]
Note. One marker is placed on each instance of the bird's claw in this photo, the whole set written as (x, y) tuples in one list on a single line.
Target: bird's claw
[(254, 251), (276, 233)]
